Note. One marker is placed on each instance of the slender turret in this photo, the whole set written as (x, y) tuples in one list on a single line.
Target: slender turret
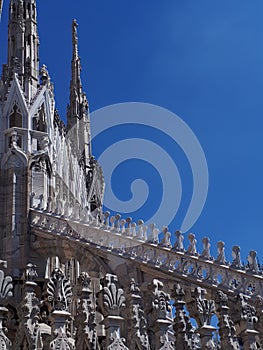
[(23, 44), (78, 109)]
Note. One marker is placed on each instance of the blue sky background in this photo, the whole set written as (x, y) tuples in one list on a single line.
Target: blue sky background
[(203, 60)]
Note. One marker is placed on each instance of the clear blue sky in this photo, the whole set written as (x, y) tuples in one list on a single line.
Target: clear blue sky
[(203, 60)]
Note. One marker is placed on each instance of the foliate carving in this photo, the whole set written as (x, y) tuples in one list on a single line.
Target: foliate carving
[(111, 298), (200, 308), (138, 336), (6, 286), (227, 330), (117, 342), (59, 291)]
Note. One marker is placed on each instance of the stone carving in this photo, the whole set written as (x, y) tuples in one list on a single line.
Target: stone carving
[(86, 337), (192, 244), (183, 329), (111, 299), (117, 342), (245, 317), (221, 259), (236, 258), (158, 309), (252, 262), (30, 332), (59, 291), (227, 330), (59, 297), (179, 241), (138, 336), (202, 310), (6, 287), (206, 251)]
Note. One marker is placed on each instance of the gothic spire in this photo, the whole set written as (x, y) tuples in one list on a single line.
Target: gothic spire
[(78, 107), (23, 43)]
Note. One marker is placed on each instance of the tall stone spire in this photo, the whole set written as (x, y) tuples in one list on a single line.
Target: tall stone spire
[(23, 43), (78, 109)]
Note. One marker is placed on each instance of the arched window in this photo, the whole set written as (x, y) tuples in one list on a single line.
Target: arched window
[(15, 119)]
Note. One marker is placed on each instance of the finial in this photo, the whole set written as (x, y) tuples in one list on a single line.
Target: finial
[(75, 36)]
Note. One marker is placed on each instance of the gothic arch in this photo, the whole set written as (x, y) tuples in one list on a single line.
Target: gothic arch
[(14, 158)]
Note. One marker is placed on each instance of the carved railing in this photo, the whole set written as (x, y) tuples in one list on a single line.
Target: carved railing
[(145, 317), (140, 243)]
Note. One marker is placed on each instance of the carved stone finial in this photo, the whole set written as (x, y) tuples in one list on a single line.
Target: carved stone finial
[(200, 308), (179, 245), (192, 244), (166, 241), (221, 259), (44, 75), (252, 262), (111, 298), (236, 257), (30, 272), (84, 280), (59, 291), (206, 248)]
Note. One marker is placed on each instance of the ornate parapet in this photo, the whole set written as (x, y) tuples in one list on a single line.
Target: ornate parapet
[(118, 237)]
